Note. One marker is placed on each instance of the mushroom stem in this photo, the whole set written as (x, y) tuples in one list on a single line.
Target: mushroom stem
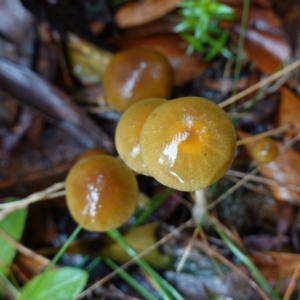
[(200, 206)]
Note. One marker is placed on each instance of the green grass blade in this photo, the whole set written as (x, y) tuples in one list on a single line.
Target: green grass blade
[(63, 249), (261, 281), (130, 280), (13, 224), (241, 42), (166, 290), (157, 200)]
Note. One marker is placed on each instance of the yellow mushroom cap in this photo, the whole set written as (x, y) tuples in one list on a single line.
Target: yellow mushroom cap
[(102, 193), (136, 74), (90, 152), (265, 150), (188, 143), (129, 129)]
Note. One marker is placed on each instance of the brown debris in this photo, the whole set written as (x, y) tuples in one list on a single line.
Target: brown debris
[(282, 169), (138, 13), (264, 49), (53, 103), (289, 112)]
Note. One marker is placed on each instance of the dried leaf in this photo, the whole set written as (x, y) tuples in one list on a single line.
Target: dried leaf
[(289, 111), (87, 61), (25, 267), (282, 170), (137, 13), (275, 266), (265, 50)]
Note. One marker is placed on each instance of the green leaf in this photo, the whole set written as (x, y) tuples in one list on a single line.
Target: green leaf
[(13, 225), (58, 284)]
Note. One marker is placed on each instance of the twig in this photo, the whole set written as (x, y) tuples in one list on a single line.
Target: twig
[(263, 135), (211, 252), (19, 247), (49, 193), (264, 180), (260, 84), (292, 284)]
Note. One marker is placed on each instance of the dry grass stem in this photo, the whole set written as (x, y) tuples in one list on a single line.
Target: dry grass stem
[(187, 250), (261, 84), (257, 189), (211, 252), (263, 135), (293, 283), (49, 193), (163, 240), (290, 143), (19, 247), (263, 180)]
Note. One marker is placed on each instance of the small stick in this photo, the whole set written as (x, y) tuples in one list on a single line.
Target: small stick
[(263, 180), (260, 84), (292, 284), (263, 135)]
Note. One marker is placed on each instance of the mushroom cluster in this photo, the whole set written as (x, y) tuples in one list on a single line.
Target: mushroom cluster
[(129, 130), (186, 143)]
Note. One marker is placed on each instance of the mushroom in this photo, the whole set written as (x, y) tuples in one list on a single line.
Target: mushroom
[(90, 152), (188, 143), (129, 129), (102, 193), (265, 150), (136, 74)]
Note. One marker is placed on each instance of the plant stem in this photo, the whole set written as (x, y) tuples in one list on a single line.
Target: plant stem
[(237, 70), (159, 282)]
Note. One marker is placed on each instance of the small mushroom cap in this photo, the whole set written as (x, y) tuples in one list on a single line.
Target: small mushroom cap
[(137, 74), (129, 129), (188, 143), (265, 150), (102, 193), (90, 152)]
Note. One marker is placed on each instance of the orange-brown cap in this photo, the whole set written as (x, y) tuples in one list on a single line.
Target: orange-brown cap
[(188, 143), (102, 193), (136, 74), (265, 150), (129, 129), (90, 152)]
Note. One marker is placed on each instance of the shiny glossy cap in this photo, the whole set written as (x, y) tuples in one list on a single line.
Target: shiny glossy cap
[(102, 193), (129, 129), (90, 152), (188, 143), (136, 74), (265, 150)]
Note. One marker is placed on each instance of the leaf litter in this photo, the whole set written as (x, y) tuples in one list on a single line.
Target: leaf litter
[(43, 133)]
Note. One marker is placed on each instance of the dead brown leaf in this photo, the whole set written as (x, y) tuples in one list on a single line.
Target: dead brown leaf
[(289, 111), (26, 267), (137, 13), (276, 266), (282, 169), (264, 49)]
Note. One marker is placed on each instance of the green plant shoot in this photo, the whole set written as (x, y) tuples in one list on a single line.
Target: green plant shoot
[(200, 26)]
